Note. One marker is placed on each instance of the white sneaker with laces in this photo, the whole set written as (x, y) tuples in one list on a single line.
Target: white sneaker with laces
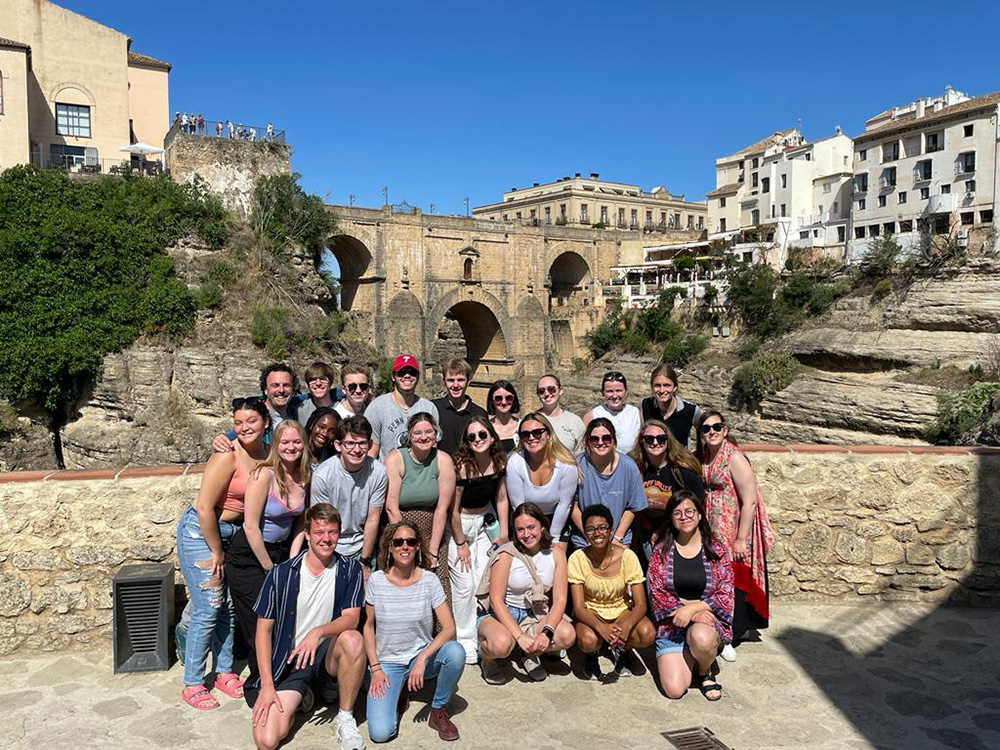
[(728, 653), (347, 733)]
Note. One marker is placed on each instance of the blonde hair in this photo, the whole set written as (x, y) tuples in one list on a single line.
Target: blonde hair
[(273, 460), (677, 454), (554, 449)]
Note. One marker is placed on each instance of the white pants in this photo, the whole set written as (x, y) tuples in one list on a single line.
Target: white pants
[(465, 582)]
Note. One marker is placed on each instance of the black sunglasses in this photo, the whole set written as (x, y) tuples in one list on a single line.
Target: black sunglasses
[(535, 434), (716, 427), (600, 439), (481, 435), (613, 377), (408, 541), (542, 390), (407, 371), (654, 439), (239, 403), (352, 387)]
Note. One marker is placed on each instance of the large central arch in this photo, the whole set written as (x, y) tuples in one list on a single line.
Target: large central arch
[(355, 262)]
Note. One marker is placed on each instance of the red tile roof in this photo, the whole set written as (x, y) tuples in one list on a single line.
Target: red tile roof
[(932, 116), (135, 57)]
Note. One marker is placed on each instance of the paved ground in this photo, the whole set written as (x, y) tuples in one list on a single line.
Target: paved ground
[(822, 677)]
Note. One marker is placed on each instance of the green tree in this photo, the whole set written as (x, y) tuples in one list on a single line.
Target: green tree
[(83, 273), (283, 212), (753, 296), (881, 258)]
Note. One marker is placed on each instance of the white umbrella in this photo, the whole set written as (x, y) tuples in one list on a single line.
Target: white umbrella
[(142, 148)]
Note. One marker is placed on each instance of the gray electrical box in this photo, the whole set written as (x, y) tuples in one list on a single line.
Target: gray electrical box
[(143, 606)]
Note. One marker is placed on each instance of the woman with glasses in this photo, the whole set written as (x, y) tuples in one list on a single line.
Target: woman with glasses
[(609, 599), (607, 478), (617, 410), (421, 488), (543, 472), (503, 406), (735, 510), (356, 383), (401, 602), (478, 519), (666, 467), (322, 431), (204, 533), (667, 406), (691, 580)]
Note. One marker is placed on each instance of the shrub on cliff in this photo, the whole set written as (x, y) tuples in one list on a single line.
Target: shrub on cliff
[(83, 273), (282, 212), (960, 412), (768, 372)]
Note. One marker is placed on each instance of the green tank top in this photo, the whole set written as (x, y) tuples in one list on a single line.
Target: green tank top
[(419, 488)]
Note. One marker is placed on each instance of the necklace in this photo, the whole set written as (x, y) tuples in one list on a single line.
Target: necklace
[(606, 560)]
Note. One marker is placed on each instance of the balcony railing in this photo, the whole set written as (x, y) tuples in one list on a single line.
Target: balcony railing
[(224, 129), (97, 166)]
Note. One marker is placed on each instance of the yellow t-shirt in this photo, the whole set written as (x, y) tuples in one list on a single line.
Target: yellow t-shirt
[(606, 597)]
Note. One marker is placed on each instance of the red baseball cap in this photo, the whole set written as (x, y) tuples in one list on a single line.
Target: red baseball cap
[(405, 360)]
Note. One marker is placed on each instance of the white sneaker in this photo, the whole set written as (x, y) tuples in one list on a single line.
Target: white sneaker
[(728, 653), (347, 733)]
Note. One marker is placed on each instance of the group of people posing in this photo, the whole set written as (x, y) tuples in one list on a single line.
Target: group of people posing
[(341, 541)]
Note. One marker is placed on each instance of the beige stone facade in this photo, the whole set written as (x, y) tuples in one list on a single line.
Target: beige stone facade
[(73, 91), (586, 201), (858, 524)]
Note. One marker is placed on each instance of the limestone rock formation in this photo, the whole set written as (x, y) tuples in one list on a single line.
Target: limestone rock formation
[(891, 348)]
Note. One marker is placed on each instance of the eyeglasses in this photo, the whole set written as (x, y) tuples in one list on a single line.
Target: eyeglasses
[(613, 377), (535, 434), (351, 445), (239, 403), (481, 435), (550, 389), (601, 529), (600, 439), (408, 541), (654, 439), (407, 372), (352, 387), (679, 514), (498, 399), (714, 427)]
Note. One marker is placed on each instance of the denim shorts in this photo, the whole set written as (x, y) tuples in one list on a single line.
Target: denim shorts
[(517, 613), (668, 645)]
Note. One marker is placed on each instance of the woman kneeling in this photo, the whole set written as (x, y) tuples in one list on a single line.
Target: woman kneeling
[(603, 579), (527, 598), (691, 580)]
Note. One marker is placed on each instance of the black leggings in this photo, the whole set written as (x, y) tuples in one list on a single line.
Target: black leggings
[(245, 577)]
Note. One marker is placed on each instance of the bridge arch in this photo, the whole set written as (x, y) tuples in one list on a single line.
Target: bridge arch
[(473, 324), (570, 280), (356, 263)]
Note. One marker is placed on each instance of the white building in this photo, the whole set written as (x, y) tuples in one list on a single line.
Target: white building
[(929, 166), (783, 193)]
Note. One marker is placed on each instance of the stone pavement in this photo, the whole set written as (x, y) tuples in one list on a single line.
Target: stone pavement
[(824, 677)]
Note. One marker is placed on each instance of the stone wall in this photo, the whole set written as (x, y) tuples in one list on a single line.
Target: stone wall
[(860, 524)]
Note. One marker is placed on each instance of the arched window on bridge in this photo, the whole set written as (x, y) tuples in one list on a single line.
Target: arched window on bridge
[(467, 270)]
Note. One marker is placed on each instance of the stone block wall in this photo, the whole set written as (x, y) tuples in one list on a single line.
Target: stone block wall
[(852, 524)]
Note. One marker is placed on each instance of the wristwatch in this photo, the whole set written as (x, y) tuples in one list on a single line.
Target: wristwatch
[(550, 632)]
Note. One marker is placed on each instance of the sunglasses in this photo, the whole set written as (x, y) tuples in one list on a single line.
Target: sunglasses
[(352, 387), (481, 435), (716, 427), (613, 377), (407, 541), (239, 403), (535, 434), (407, 372), (498, 399), (654, 439), (550, 389), (600, 439)]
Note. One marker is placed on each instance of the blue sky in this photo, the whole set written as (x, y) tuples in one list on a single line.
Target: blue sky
[(442, 101)]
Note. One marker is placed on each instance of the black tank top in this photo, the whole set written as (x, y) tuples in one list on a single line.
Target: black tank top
[(478, 492), (680, 422)]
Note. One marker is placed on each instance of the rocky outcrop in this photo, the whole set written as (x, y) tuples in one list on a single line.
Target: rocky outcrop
[(966, 303), (889, 349)]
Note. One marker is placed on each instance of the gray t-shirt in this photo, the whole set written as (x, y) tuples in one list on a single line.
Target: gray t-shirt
[(404, 615), (388, 420), (621, 490), (351, 493), (569, 429)]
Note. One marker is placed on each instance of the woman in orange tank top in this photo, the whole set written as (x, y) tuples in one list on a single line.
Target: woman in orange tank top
[(203, 535)]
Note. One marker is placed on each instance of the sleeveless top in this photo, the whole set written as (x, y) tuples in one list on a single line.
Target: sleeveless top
[(419, 488), (236, 491), (276, 525), (627, 423), (478, 492), (680, 422)]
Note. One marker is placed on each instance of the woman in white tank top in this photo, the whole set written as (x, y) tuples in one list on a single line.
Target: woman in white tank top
[(626, 418)]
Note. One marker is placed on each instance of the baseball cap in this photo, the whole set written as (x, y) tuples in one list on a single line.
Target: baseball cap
[(405, 360)]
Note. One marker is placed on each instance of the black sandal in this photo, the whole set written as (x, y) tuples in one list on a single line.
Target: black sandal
[(710, 685)]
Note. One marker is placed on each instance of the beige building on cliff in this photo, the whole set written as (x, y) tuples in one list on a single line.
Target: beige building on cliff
[(72, 91), (589, 201)]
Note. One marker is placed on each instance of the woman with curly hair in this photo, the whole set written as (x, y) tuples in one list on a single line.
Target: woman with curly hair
[(478, 519)]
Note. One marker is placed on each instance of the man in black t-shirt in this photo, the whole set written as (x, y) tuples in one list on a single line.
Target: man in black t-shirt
[(456, 408)]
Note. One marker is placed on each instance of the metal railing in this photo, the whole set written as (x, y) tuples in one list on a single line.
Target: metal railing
[(224, 129), (81, 165)]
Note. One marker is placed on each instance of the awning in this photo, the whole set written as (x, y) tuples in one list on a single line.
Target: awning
[(143, 149)]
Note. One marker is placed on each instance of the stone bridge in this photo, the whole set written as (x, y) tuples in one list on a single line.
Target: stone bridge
[(512, 299)]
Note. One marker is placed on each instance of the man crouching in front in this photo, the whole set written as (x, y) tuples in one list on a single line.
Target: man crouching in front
[(307, 636)]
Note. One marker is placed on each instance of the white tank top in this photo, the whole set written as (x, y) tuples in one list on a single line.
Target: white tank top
[(519, 581), (627, 423)]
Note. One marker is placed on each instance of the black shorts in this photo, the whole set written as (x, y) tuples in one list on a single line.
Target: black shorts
[(314, 676)]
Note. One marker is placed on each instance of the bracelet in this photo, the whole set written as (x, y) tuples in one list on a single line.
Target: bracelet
[(375, 666), (462, 543)]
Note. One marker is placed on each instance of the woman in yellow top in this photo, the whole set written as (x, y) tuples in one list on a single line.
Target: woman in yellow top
[(609, 600)]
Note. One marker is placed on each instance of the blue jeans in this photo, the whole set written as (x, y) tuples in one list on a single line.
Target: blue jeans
[(211, 625), (446, 665)]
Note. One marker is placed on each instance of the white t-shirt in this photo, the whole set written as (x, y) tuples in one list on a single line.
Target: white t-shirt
[(314, 605), (627, 423), (519, 581), (569, 429)]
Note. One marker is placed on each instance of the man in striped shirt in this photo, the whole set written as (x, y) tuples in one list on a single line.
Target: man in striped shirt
[(307, 635)]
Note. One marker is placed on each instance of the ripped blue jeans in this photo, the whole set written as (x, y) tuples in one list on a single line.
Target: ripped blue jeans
[(211, 625)]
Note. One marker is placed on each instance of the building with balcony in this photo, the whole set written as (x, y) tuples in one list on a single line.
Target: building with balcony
[(73, 92), (783, 196), (593, 202), (926, 168)]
